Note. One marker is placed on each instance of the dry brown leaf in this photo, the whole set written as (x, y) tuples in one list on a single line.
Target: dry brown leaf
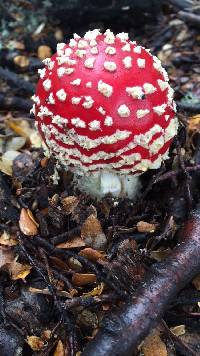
[(92, 255), (196, 282), (59, 351), (178, 330), (15, 143), (6, 162), (194, 123), (82, 279), (6, 256), (18, 270), (7, 240), (46, 291), (74, 264), (44, 52), (92, 233), (96, 291), (76, 242), (69, 204), (21, 61), (20, 127), (30, 214), (44, 162), (35, 343), (143, 226), (46, 334), (161, 254), (153, 345), (26, 224)]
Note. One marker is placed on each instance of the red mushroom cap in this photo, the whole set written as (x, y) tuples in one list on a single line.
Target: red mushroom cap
[(103, 102)]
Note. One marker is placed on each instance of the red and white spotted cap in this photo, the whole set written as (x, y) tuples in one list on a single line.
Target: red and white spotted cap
[(104, 102)]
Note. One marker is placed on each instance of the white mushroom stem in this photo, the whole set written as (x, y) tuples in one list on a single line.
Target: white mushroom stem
[(99, 184)]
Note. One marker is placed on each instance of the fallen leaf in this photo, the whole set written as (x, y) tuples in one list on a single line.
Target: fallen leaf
[(35, 139), (178, 330), (20, 127), (15, 143), (44, 162), (161, 254), (21, 61), (82, 279), (35, 343), (26, 224), (6, 162), (7, 240), (46, 291), (143, 226), (91, 232), (92, 255), (44, 52), (76, 242), (59, 351), (69, 204), (18, 270), (46, 334), (96, 291), (196, 282), (153, 345), (194, 123), (74, 264), (87, 319), (29, 212), (6, 256)]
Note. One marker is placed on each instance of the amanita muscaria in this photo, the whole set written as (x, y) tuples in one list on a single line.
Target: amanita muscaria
[(105, 110)]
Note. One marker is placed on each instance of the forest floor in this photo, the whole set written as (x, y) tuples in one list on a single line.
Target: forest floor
[(58, 278)]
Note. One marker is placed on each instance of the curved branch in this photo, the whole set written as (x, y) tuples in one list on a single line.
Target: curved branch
[(121, 332)]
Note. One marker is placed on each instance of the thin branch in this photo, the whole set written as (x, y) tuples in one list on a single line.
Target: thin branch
[(122, 331)]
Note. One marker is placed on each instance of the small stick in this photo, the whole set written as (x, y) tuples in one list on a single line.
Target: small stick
[(16, 81), (15, 103), (190, 18), (121, 332)]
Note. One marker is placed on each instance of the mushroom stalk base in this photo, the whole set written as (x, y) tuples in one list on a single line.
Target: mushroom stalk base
[(99, 184)]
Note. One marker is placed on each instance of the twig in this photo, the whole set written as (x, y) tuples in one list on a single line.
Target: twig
[(121, 332), (180, 345), (15, 103), (190, 17), (13, 79), (171, 174), (182, 4), (193, 108)]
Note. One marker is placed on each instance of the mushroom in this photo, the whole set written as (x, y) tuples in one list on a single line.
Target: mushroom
[(105, 110)]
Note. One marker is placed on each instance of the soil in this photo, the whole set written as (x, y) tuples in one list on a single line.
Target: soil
[(66, 259)]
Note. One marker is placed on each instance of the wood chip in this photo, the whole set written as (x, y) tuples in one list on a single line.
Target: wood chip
[(44, 52), (18, 270), (82, 279), (76, 242), (26, 224), (92, 233), (21, 61), (178, 330), (143, 226), (35, 343), (91, 254), (153, 345), (7, 240), (69, 204), (59, 351)]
